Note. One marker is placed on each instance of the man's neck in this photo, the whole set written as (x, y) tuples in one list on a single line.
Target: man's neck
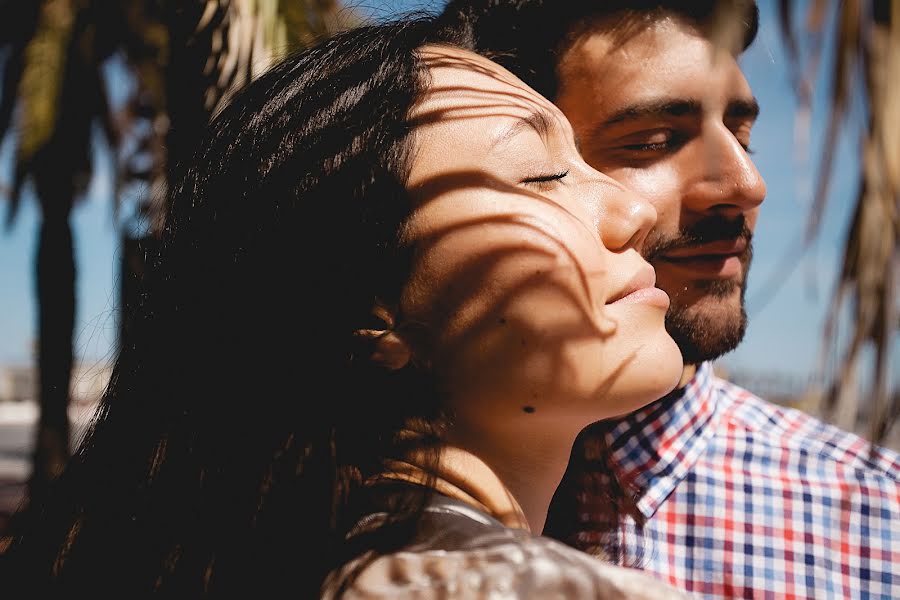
[(686, 375)]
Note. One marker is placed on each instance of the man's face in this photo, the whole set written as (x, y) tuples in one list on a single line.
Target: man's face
[(662, 115)]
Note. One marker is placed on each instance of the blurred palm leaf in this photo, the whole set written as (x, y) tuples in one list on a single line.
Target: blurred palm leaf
[(254, 33), (189, 57), (41, 85), (46, 79), (866, 35)]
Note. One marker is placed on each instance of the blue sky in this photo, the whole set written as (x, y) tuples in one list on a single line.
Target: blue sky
[(785, 323)]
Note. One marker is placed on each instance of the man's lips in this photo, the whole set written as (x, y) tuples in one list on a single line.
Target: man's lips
[(720, 249), (714, 259)]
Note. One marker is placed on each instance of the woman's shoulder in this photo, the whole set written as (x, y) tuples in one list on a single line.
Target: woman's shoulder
[(463, 553)]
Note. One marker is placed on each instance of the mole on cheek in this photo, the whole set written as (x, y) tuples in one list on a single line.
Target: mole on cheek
[(528, 409)]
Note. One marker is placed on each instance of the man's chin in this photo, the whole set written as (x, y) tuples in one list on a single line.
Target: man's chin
[(709, 327)]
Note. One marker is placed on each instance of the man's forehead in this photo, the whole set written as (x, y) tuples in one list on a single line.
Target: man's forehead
[(665, 40), (622, 28), (665, 62)]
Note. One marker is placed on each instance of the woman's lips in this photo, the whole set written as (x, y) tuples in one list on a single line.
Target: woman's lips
[(648, 295), (642, 290)]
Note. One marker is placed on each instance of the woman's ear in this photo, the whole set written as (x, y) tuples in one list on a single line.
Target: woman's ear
[(389, 349)]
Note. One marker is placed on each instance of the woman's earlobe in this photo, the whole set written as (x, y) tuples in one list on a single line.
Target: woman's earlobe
[(389, 350), (392, 351)]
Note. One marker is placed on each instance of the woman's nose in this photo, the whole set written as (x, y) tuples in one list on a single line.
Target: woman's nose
[(625, 218)]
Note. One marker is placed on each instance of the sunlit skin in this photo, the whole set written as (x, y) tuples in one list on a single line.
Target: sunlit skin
[(660, 115), (528, 278)]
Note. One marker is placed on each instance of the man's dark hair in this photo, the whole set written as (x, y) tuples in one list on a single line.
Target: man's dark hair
[(529, 36)]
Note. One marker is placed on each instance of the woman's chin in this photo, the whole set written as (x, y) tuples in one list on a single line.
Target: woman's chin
[(656, 372)]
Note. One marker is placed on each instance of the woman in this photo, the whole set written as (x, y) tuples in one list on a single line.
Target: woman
[(389, 295)]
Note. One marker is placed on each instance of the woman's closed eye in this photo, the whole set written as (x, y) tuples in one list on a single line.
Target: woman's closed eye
[(543, 182)]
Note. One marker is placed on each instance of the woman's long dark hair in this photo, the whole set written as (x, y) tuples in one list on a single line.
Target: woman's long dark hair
[(243, 416)]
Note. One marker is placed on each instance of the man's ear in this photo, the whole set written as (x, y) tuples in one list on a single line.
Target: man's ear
[(389, 349)]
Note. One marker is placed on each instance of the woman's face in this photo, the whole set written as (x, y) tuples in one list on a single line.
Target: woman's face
[(527, 273)]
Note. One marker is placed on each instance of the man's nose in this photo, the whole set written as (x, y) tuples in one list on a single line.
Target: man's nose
[(626, 219), (726, 180)]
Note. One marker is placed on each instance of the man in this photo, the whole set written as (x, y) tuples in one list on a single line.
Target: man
[(712, 488)]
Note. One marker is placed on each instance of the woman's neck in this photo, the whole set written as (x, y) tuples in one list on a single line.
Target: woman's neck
[(463, 476), (515, 492)]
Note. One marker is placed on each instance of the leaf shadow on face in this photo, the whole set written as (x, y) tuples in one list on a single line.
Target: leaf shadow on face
[(540, 243)]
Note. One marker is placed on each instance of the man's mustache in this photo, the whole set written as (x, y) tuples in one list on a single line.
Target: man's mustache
[(714, 228)]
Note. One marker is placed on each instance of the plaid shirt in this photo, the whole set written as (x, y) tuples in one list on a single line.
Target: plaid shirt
[(735, 497)]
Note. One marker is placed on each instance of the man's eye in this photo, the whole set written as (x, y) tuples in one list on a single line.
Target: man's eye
[(741, 132), (544, 181), (653, 141), (648, 147), (745, 144)]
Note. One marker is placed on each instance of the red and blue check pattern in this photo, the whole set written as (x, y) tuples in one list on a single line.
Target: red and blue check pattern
[(741, 498)]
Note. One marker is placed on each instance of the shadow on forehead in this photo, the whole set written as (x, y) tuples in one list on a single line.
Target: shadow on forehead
[(475, 103), (437, 56), (486, 104), (451, 57), (452, 97)]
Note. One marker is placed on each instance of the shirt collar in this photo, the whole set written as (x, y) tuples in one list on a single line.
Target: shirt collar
[(654, 448)]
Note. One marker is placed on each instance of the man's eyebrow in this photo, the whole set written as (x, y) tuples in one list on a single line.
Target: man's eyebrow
[(654, 108), (538, 120), (746, 108)]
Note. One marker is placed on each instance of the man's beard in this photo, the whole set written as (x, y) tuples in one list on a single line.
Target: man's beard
[(700, 335)]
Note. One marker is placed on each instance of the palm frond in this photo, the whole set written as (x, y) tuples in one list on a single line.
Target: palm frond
[(15, 32), (40, 88), (866, 38), (220, 46), (248, 36)]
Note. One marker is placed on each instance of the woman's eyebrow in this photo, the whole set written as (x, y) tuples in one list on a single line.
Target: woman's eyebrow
[(537, 120)]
